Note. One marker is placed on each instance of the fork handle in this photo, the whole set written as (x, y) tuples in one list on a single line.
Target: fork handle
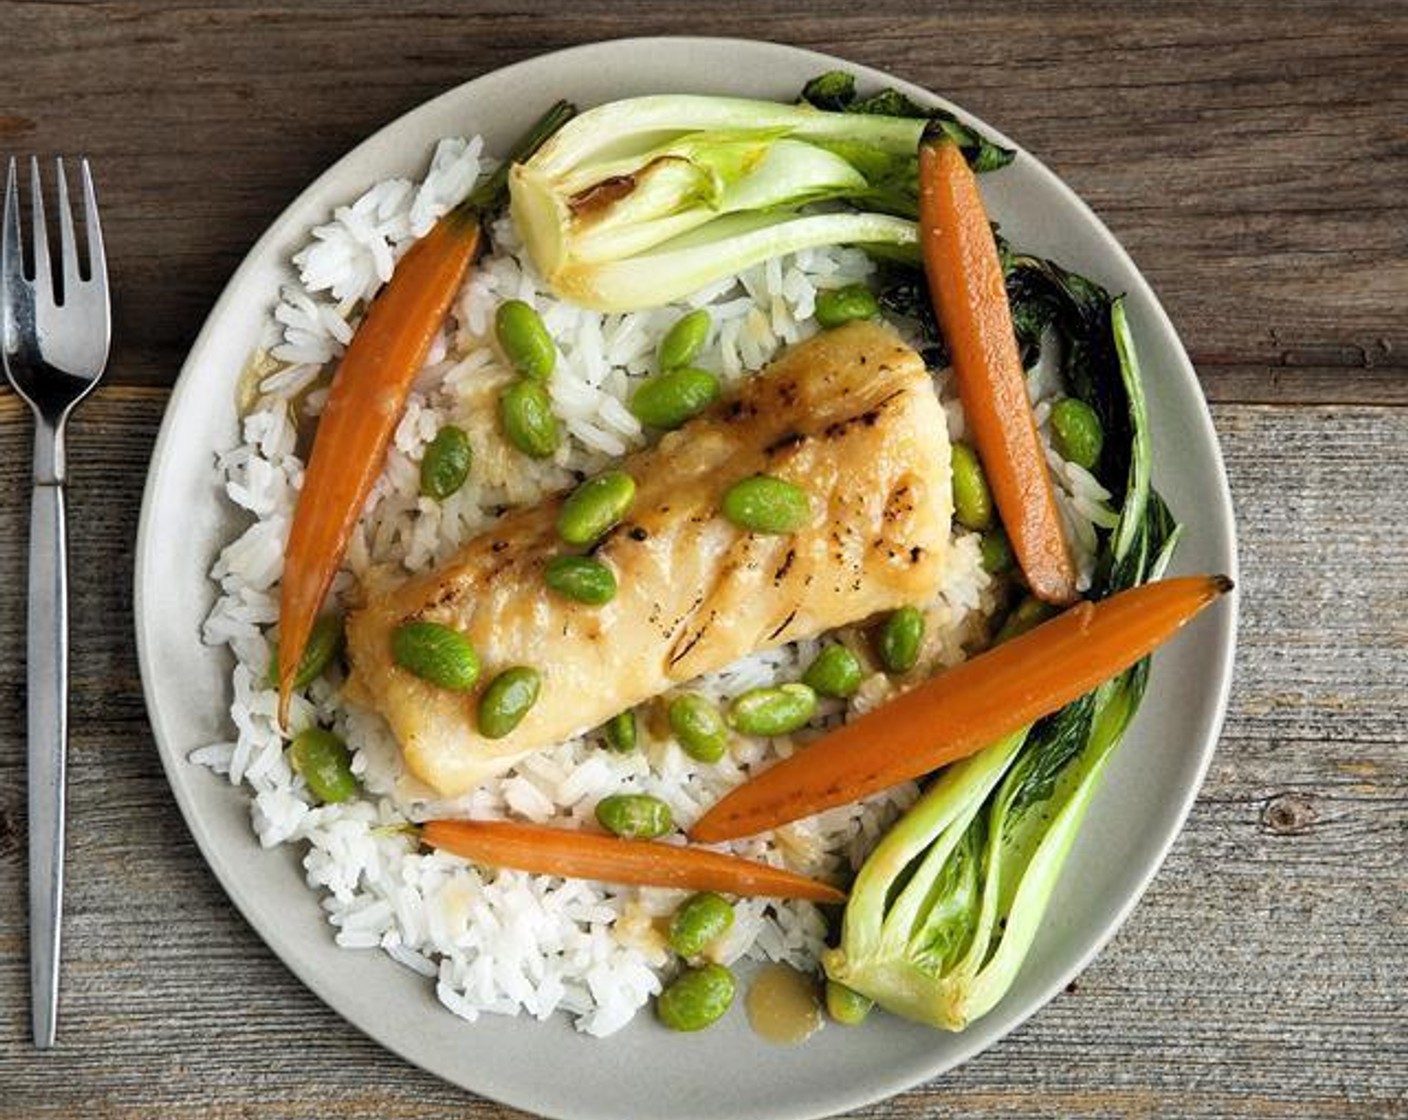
[(47, 670)]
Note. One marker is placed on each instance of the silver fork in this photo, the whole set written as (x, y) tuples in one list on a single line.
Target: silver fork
[(55, 329)]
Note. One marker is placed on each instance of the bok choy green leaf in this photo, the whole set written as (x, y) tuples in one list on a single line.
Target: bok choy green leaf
[(835, 91)]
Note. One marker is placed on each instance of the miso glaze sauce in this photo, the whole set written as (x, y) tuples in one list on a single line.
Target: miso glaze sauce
[(783, 1005)]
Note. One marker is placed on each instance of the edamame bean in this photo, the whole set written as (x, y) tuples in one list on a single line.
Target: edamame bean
[(634, 816), (699, 727), (595, 507), (620, 732), (765, 504), (700, 921), (524, 340), (526, 412), (972, 501), (582, 579), (507, 700), (324, 641), (846, 1005), (1030, 612), (446, 462), (668, 399), (901, 638), (837, 306), (436, 653), (696, 998), (997, 551), (325, 763), (1076, 432), (684, 340), (835, 672), (777, 710)]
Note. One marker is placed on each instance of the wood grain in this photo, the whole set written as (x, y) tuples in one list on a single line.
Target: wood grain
[(1252, 157), (1252, 162)]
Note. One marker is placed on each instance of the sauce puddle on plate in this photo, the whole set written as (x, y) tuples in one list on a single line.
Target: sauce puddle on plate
[(783, 1005)]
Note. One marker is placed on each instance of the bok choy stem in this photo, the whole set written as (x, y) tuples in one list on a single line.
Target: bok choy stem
[(640, 202)]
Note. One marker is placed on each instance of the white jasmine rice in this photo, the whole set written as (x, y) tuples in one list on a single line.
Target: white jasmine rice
[(507, 942)]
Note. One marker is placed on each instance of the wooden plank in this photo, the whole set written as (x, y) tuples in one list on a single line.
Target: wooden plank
[(1260, 976), (1245, 383), (1250, 159)]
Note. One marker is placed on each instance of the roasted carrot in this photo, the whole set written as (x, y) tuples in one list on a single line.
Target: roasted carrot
[(367, 398), (368, 394), (590, 855), (965, 709), (970, 301)]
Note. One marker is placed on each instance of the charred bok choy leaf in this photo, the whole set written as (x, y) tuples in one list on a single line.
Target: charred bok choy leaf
[(835, 91), (944, 911), (639, 202), (1048, 302)]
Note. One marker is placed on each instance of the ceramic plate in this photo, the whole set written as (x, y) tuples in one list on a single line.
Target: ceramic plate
[(645, 1071)]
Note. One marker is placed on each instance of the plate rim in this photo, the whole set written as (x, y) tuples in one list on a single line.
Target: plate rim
[(968, 1044)]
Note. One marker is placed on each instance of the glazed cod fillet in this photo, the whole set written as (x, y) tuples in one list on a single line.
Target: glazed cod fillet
[(850, 416)]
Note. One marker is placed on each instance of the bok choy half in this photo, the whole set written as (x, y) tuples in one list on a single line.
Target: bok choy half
[(944, 911), (640, 202)]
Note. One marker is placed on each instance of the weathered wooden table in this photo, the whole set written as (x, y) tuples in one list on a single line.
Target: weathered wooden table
[(1252, 157)]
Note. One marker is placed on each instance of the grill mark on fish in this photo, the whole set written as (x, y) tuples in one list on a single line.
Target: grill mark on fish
[(791, 439), (683, 617), (785, 566), (869, 418), (680, 654), (783, 625)]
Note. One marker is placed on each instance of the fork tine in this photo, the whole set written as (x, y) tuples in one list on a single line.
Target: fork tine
[(97, 259), (43, 280), (68, 249), (11, 248)]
